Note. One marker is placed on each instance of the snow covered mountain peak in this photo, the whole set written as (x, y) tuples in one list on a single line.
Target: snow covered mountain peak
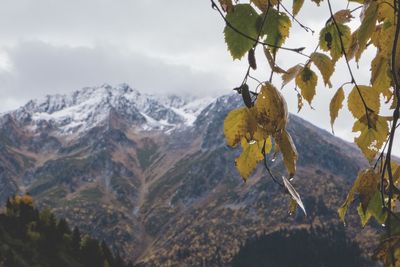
[(89, 107)]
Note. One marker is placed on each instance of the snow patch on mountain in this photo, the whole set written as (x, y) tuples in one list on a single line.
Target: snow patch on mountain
[(89, 107)]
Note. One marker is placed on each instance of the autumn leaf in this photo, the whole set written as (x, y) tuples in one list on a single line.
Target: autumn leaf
[(335, 105), (288, 150), (297, 4), (355, 104), (366, 185), (291, 74), (243, 18), (238, 124), (307, 80), (270, 109), (381, 76), (248, 160), (325, 65), (343, 16), (373, 133), (367, 26), (263, 4)]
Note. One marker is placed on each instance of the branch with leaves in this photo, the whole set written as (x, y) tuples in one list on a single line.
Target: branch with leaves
[(260, 127)]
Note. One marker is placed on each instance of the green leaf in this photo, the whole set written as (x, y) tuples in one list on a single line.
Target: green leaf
[(307, 80), (288, 150), (329, 39), (325, 65), (367, 27), (373, 133), (374, 209), (276, 27), (251, 155), (355, 104), (244, 18), (335, 105), (238, 124), (297, 4)]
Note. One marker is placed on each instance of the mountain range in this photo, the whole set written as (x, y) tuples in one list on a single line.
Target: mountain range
[(153, 177)]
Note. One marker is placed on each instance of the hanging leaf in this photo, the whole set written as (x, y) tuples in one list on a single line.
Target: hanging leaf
[(297, 4), (244, 18), (366, 185), (288, 150), (325, 65), (270, 109), (353, 46), (295, 196), (367, 27), (248, 160), (307, 80), (238, 124), (343, 16), (329, 39), (226, 5), (299, 102), (317, 1), (381, 76), (373, 133), (271, 61), (291, 74), (276, 27), (335, 105), (263, 4), (355, 104), (374, 210), (252, 59)]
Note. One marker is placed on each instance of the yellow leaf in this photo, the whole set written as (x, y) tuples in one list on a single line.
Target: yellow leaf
[(367, 26), (288, 150), (355, 104), (291, 74), (251, 155), (297, 4), (385, 10), (238, 124), (374, 209), (325, 65), (381, 76), (270, 109), (353, 45), (306, 80), (373, 134), (336, 104)]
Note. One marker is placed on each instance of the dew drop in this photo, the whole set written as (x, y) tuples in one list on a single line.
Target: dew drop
[(383, 225), (252, 142), (273, 159), (344, 224), (291, 179)]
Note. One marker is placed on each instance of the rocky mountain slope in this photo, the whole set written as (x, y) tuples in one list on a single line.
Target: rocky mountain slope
[(153, 177)]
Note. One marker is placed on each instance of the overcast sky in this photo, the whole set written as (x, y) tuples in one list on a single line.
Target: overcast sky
[(156, 46)]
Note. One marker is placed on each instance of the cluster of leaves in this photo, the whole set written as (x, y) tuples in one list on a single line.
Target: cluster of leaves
[(260, 125), (29, 237)]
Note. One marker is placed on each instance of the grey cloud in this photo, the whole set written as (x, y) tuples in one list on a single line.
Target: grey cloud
[(39, 68)]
